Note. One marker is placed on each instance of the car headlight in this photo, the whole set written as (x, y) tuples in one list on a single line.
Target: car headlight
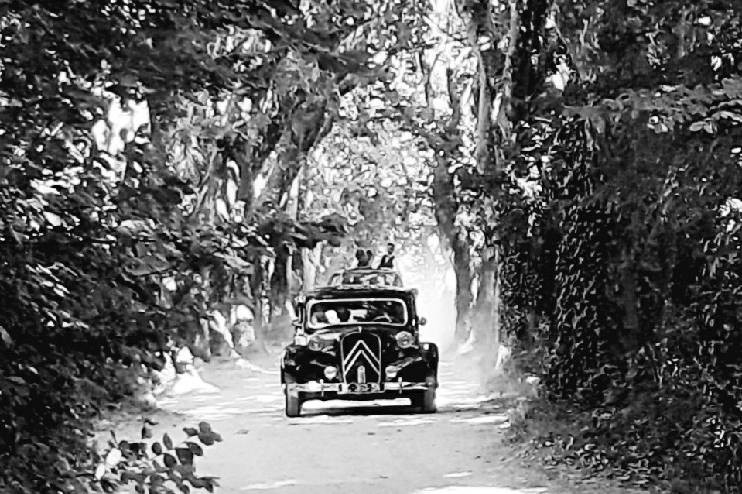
[(391, 371), (405, 339), (331, 372), (300, 340), (314, 344)]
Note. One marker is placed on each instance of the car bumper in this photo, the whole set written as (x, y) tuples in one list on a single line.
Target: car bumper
[(389, 387)]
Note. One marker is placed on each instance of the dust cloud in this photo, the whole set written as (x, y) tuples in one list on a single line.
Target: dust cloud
[(482, 359), (436, 298), (436, 285)]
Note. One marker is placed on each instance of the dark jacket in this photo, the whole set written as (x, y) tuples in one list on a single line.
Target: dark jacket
[(387, 261)]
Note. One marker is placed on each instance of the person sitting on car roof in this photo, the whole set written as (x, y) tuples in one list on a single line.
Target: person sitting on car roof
[(363, 259), (387, 260)]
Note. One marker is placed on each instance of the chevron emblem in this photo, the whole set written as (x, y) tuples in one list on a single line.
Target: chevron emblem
[(361, 352)]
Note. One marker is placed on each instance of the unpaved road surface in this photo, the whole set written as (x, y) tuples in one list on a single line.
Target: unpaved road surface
[(354, 447)]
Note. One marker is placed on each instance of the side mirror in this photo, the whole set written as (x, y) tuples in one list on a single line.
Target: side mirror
[(422, 321)]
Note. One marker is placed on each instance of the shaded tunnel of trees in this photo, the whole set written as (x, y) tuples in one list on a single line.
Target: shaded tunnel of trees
[(164, 162)]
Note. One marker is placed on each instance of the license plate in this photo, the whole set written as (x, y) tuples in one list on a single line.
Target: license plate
[(360, 388)]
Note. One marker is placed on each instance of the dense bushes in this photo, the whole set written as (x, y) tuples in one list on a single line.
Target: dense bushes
[(85, 236), (633, 237), (644, 328), (81, 324)]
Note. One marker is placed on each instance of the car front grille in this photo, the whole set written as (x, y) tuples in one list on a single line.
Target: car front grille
[(361, 357)]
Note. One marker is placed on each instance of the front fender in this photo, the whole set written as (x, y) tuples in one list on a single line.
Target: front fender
[(288, 362), (420, 364), (299, 364), (429, 352)]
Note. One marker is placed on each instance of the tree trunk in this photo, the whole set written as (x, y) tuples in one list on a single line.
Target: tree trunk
[(486, 318), (484, 324), (308, 124), (493, 138), (506, 79), (279, 281), (446, 208), (282, 279), (310, 258), (457, 241), (310, 265), (462, 270), (256, 289), (528, 337), (250, 158), (630, 340)]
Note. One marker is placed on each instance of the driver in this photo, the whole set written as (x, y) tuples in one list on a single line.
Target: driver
[(379, 313), (397, 312)]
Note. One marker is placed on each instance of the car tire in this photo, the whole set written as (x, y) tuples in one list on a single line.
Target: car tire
[(425, 400), (292, 402)]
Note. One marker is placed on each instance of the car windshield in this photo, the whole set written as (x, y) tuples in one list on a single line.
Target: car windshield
[(340, 312), (376, 278)]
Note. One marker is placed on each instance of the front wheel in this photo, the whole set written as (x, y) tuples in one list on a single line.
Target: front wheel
[(293, 399), (425, 400)]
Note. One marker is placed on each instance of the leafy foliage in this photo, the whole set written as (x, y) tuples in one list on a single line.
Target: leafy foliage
[(378, 186), (132, 137), (625, 229), (157, 466)]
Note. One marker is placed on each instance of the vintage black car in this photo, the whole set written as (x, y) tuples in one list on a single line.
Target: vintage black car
[(356, 342)]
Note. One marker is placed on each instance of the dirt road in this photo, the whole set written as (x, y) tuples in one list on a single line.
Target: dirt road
[(352, 447)]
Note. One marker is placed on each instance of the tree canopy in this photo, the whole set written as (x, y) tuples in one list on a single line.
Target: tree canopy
[(579, 161)]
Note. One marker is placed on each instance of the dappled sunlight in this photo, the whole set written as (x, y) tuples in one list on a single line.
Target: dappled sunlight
[(214, 412), (405, 422), (246, 364), (269, 485), (320, 419), (457, 475), (485, 419), (190, 382), (468, 400), (459, 489)]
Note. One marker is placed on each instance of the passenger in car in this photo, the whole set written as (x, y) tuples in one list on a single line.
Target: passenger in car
[(319, 317), (343, 314)]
